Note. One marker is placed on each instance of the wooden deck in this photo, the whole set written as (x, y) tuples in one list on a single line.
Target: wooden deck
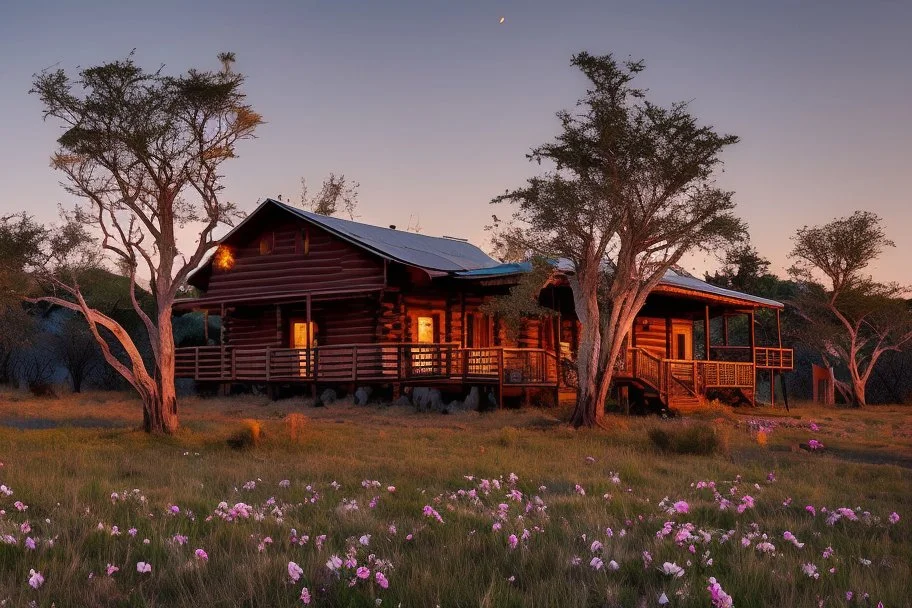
[(685, 381), (371, 364)]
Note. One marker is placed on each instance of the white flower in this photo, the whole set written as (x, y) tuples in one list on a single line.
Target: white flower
[(663, 599), (613, 565), (143, 567), (365, 540), (672, 569), (810, 570)]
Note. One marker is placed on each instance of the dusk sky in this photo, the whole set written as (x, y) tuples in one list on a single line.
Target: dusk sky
[(432, 106)]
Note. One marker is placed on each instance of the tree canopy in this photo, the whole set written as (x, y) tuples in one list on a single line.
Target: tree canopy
[(851, 318), (627, 190), (143, 152)]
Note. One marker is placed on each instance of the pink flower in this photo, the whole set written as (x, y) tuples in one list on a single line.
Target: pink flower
[(334, 563), (681, 507), (111, 569), (596, 563), (513, 541), (381, 580), (580, 490), (294, 572), (363, 573), (810, 509), (30, 543), (201, 555), (815, 445), (143, 567), (894, 517), (36, 579), (430, 512), (305, 595), (720, 599)]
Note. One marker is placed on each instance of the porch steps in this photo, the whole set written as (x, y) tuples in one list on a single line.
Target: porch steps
[(685, 404)]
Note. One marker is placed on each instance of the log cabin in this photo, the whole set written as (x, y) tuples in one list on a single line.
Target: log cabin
[(312, 300)]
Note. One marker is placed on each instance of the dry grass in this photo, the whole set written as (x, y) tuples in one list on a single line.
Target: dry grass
[(66, 476)]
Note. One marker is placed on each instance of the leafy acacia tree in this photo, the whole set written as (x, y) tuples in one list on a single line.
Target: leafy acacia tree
[(143, 151), (851, 319), (628, 190)]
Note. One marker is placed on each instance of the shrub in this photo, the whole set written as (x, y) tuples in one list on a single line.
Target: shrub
[(248, 436), (294, 424), (698, 439), (509, 435)]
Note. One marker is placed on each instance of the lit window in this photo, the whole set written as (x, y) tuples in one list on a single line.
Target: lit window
[(426, 330), (303, 334), (223, 258)]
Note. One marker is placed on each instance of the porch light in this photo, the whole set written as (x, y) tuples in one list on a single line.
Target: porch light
[(223, 258)]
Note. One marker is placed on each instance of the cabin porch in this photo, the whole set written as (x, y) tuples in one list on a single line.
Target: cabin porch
[(683, 352)]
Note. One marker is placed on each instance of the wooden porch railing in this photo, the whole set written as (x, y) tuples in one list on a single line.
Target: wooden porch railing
[(409, 362), (679, 375), (774, 358)]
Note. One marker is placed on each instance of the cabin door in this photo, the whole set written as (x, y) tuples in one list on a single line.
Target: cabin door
[(681, 342), (478, 339), (426, 359), (304, 341)]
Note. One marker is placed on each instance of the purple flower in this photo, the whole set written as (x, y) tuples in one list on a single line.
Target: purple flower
[(381, 580), (894, 517), (201, 555), (35, 580), (513, 541)]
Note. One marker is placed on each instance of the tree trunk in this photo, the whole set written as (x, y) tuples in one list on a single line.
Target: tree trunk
[(163, 404), (590, 405)]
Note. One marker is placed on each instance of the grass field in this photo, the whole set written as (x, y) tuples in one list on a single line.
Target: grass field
[(384, 506)]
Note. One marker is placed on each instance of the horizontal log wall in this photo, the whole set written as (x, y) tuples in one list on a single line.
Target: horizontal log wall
[(653, 339), (302, 257)]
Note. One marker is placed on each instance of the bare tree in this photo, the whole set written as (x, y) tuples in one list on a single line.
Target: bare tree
[(628, 191), (851, 318), (338, 194), (143, 151)]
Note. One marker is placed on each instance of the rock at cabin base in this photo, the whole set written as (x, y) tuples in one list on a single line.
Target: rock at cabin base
[(453, 407), (402, 400), (473, 400), (427, 399), (362, 395), (328, 397)]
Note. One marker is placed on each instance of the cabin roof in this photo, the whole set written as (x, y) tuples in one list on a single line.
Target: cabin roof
[(428, 252), (673, 279)]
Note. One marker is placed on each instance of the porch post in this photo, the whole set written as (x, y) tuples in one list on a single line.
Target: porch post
[(706, 332), (310, 349), (222, 326), (206, 326), (724, 329), (753, 354), (779, 329), (668, 338)]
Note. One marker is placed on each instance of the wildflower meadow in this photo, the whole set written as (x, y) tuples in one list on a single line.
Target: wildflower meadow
[(368, 506)]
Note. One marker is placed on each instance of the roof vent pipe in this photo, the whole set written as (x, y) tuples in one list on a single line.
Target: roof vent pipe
[(392, 226)]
